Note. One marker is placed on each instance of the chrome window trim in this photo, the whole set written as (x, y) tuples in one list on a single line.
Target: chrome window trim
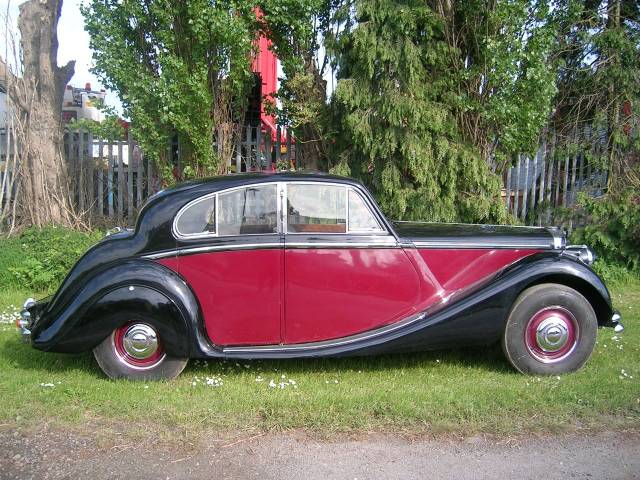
[(383, 231), (191, 236), (188, 236)]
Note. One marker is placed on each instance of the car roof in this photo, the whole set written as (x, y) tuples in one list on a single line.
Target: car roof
[(204, 186)]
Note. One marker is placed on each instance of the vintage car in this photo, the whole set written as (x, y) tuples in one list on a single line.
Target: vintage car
[(305, 265)]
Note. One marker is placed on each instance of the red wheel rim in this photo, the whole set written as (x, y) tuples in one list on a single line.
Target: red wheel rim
[(138, 345), (551, 334)]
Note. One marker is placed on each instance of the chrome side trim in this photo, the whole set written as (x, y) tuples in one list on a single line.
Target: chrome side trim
[(259, 246), (328, 343), (453, 243)]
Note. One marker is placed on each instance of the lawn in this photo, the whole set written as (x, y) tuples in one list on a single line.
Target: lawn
[(458, 392)]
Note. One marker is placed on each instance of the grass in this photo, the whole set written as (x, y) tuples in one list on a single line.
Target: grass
[(459, 392)]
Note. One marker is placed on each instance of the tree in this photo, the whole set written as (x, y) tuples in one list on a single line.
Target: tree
[(303, 34), (35, 95), (599, 85), (401, 133), (181, 68)]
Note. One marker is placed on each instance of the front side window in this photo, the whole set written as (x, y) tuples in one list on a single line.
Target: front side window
[(199, 219), (316, 208), (360, 217), (246, 211)]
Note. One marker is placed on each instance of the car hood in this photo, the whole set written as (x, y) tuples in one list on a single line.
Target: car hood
[(459, 235)]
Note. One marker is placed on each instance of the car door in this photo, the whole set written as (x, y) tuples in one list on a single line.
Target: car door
[(231, 255), (344, 272)]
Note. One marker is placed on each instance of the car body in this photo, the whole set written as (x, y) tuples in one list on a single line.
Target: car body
[(305, 265)]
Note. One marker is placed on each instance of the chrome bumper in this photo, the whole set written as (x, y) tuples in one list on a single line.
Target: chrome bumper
[(616, 323), (24, 322)]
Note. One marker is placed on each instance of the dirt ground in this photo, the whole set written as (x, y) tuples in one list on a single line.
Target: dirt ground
[(59, 454)]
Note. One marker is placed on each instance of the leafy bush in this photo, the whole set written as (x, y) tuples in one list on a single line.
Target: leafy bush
[(613, 229), (38, 260)]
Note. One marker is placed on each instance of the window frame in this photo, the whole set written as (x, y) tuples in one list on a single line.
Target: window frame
[(215, 195), (285, 220), (281, 192)]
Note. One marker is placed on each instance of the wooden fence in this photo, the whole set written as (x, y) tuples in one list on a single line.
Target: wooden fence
[(113, 178), (535, 186)]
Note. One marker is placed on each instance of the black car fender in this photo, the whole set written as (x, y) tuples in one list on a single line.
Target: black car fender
[(134, 289)]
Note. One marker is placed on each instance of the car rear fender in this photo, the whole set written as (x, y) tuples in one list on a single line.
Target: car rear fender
[(133, 289)]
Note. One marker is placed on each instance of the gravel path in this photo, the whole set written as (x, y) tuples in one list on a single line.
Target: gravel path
[(61, 455)]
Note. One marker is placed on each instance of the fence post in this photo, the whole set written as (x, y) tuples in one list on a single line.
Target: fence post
[(149, 177), (110, 178), (120, 181), (532, 199), (278, 144), (525, 192), (80, 167), (508, 189), (91, 172), (140, 178), (516, 202), (129, 178), (100, 177), (239, 152), (543, 156), (259, 148)]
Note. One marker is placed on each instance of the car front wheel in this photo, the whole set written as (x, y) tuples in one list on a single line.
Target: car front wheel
[(551, 329), (135, 351)]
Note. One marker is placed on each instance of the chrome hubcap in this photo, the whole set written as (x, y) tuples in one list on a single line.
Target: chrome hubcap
[(552, 334), (140, 341)]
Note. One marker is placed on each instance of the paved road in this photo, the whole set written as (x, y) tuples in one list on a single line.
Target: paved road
[(61, 455)]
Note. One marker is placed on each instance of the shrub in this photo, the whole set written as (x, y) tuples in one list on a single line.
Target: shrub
[(613, 228), (38, 260)]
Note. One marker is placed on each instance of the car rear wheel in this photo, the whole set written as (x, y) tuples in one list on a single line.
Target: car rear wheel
[(551, 329), (135, 351)]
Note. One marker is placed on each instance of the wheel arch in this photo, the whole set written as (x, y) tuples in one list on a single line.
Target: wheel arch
[(112, 296), (601, 305)]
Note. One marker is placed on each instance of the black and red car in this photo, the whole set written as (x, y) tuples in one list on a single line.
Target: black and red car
[(305, 265)]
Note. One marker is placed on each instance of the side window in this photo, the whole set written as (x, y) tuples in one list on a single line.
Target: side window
[(360, 217), (199, 219), (251, 210), (316, 208)]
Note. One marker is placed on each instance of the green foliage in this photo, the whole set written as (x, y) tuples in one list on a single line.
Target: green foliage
[(109, 128), (399, 134), (180, 68), (38, 260), (613, 229)]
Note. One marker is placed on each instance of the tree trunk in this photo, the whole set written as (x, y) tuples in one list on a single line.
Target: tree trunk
[(37, 99)]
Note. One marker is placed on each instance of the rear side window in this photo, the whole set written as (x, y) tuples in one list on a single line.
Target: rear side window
[(316, 208), (198, 219), (248, 211)]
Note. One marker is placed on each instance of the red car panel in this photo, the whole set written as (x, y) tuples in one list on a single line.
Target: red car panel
[(336, 292), (239, 293), (450, 271)]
